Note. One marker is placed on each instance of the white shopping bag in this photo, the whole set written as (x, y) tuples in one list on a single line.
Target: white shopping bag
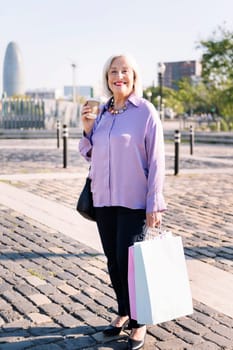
[(161, 280)]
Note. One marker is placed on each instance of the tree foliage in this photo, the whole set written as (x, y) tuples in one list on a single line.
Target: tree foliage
[(214, 92), (170, 98), (217, 70), (217, 58)]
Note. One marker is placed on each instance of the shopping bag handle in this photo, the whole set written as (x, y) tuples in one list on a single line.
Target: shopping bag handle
[(152, 232), (156, 232)]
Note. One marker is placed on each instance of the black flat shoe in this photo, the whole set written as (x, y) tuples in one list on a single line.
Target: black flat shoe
[(111, 331), (136, 344)]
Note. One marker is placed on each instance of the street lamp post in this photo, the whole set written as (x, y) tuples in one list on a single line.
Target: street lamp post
[(161, 71), (73, 65)]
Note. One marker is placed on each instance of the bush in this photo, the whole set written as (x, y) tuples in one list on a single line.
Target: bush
[(213, 127), (223, 125), (230, 126)]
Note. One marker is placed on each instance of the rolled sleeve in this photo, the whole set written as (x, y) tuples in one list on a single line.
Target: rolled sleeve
[(156, 205), (85, 147), (156, 162)]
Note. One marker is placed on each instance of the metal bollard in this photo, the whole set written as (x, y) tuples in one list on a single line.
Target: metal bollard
[(191, 139), (58, 133), (65, 139), (177, 146)]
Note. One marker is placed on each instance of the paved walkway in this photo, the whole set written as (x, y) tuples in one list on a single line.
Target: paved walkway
[(54, 288)]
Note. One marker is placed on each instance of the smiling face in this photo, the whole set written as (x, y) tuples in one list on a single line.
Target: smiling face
[(121, 77)]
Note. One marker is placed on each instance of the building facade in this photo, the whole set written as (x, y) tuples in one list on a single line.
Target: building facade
[(50, 94), (175, 71), (80, 91)]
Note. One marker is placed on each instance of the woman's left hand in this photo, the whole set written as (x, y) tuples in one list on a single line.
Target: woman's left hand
[(153, 219)]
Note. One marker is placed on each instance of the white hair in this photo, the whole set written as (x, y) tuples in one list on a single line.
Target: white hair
[(137, 86)]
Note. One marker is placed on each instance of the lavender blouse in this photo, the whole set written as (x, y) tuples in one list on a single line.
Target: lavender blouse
[(127, 157)]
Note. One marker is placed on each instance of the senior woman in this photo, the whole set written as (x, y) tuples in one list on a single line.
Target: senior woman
[(126, 149)]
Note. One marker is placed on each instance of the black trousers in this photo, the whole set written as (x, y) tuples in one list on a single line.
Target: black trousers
[(119, 228)]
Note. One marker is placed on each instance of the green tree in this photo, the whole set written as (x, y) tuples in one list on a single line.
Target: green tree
[(225, 102), (217, 58), (217, 71), (188, 95), (170, 98)]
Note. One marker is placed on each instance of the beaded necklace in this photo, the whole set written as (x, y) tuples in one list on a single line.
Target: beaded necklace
[(114, 111)]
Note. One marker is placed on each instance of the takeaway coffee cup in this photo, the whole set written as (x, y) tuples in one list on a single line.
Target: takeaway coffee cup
[(94, 104)]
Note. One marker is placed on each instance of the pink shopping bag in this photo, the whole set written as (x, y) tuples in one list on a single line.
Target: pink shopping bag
[(131, 283)]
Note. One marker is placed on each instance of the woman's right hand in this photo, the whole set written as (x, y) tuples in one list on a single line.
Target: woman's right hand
[(87, 122)]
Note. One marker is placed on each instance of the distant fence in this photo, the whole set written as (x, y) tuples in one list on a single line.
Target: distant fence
[(37, 113)]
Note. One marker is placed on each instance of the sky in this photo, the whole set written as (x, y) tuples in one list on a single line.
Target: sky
[(53, 34)]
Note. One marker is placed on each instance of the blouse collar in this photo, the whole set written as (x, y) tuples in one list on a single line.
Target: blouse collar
[(135, 100)]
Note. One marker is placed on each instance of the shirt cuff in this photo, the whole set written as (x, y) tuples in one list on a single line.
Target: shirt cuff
[(158, 205)]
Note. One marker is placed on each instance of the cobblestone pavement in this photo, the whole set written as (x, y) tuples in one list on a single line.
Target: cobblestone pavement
[(55, 293), (201, 214)]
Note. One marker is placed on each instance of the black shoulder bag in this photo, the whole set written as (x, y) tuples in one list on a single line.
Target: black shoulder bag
[(85, 202)]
